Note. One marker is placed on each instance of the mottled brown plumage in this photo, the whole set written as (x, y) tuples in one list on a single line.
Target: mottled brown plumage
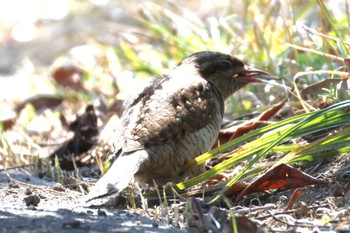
[(174, 119)]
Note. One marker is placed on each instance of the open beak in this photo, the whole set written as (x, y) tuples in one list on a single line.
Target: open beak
[(253, 75)]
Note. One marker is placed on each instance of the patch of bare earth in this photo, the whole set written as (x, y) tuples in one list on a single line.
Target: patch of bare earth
[(28, 203), (31, 204), (320, 208)]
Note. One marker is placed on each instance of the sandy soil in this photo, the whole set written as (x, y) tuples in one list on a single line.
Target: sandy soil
[(37, 205), (28, 204)]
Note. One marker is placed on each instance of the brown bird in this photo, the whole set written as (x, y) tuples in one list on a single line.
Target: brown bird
[(174, 119)]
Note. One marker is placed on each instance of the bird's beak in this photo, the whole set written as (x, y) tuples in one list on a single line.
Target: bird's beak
[(253, 75)]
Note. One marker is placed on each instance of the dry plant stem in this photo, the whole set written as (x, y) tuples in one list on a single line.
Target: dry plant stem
[(158, 193), (15, 167), (254, 209), (143, 200), (314, 32), (336, 58), (290, 211), (32, 186), (306, 106), (176, 194), (280, 220)]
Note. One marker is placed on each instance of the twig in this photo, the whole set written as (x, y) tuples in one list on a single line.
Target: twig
[(32, 186), (306, 106), (17, 166), (280, 220), (289, 212), (250, 210), (314, 51)]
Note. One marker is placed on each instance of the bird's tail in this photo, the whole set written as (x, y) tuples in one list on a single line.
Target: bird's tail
[(118, 176)]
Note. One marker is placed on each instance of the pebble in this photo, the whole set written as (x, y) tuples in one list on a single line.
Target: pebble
[(32, 199), (102, 213), (27, 191)]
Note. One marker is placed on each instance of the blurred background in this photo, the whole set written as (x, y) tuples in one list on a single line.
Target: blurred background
[(35, 34), (57, 56)]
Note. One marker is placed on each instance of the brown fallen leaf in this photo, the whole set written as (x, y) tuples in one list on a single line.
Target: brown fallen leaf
[(68, 76), (280, 177), (41, 102), (235, 189), (217, 178)]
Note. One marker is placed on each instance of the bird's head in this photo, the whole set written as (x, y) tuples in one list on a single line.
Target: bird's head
[(225, 72)]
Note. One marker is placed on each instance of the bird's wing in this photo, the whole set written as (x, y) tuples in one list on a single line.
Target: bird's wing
[(158, 115)]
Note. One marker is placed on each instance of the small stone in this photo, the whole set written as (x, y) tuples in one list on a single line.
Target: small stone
[(89, 212), (102, 213), (72, 224), (302, 210), (155, 225), (121, 202), (27, 191), (41, 196), (138, 223), (283, 199), (11, 185), (86, 172), (59, 188), (31, 208), (32, 199)]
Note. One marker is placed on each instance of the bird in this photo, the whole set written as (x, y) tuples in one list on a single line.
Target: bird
[(175, 118)]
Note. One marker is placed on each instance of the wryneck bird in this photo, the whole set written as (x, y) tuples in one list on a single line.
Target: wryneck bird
[(174, 119)]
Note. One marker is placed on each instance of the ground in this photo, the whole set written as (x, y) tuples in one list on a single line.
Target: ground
[(62, 210), (320, 208)]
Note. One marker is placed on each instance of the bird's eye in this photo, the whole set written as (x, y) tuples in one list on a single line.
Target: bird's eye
[(225, 65)]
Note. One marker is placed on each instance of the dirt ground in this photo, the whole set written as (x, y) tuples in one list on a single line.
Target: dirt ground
[(37, 205), (29, 204), (320, 208)]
